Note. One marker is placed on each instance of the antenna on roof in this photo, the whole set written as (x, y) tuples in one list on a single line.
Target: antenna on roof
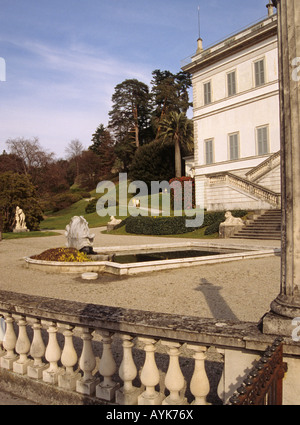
[(199, 41)]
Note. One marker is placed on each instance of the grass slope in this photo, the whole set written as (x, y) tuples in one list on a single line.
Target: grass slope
[(60, 219)]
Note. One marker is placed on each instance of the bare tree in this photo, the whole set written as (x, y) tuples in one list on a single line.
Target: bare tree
[(74, 151), (74, 148), (31, 153)]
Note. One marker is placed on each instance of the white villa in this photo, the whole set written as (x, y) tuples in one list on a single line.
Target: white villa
[(236, 119)]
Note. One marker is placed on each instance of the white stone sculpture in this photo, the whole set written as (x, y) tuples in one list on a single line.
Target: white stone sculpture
[(20, 225), (113, 223), (78, 235), (114, 220), (232, 221), (230, 226)]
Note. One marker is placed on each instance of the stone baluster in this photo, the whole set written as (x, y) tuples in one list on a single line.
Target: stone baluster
[(22, 348), (128, 394), (69, 359), (37, 351), (108, 387), (174, 379), (87, 363), (2, 334), (9, 344), (52, 354), (199, 385), (149, 375)]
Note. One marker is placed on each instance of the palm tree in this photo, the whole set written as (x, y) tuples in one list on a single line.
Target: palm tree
[(178, 129)]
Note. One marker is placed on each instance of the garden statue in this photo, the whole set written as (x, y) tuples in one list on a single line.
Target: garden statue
[(78, 235), (113, 223), (20, 225), (232, 221), (230, 226)]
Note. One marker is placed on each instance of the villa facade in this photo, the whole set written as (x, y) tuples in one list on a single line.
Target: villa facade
[(236, 119)]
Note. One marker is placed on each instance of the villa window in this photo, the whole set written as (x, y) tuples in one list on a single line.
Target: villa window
[(234, 146), (259, 68), (262, 134), (231, 83), (209, 151), (207, 93)]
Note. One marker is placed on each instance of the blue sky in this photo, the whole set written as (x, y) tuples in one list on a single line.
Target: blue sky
[(64, 58)]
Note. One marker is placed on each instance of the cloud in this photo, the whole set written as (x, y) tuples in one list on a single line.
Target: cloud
[(59, 93), (75, 69)]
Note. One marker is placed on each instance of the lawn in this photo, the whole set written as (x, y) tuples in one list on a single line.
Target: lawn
[(28, 235), (60, 219)]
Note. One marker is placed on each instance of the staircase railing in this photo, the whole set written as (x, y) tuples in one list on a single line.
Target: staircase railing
[(264, 167), (263, 385), (247, 186)]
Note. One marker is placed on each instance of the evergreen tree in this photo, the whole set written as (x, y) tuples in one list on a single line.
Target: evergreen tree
[(103, 147), (169, 94), (153, 162), (130, 114)]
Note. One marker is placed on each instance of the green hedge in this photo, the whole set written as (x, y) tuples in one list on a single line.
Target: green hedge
[(175, 225), (156, 226)]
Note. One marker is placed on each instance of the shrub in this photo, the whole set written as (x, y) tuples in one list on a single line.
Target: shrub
[(213, 228), (157, 225), (18, 190), (91, 206)]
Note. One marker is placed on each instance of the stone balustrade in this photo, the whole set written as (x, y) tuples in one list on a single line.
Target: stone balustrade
[(247, 186), (110, 354), (264, 167)]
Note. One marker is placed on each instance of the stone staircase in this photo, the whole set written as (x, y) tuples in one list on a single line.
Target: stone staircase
[(266, 226)]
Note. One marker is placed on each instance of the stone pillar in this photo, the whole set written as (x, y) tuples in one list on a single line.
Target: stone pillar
[(287, 305)]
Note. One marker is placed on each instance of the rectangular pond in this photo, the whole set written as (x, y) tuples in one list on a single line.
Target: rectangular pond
[(147, 258), (163, 255)]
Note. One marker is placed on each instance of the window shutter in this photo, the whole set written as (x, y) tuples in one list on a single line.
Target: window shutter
[(231, 81), (234, 146), (209, 151), (262, 140), (207, 93), (259, 73)]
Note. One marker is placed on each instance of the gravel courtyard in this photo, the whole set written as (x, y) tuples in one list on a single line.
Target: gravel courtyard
[(240, 290)]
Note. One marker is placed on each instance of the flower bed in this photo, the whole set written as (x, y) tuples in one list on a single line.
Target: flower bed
[(62, 254)]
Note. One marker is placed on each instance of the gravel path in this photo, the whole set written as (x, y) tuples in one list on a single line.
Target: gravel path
[(240, 290)]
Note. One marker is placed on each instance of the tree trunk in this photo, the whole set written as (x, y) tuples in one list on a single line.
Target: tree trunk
[(136, 126), (177, 157), (162, 115)]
